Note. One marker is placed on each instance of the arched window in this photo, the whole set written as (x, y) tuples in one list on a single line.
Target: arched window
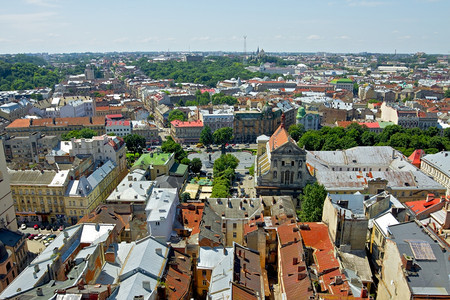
[(275, 174)]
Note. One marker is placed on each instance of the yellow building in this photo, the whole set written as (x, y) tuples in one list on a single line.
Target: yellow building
[(39, 195), (85, 194)]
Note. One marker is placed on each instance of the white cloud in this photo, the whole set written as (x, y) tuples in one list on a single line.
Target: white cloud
[(53, 34), (201, 38), (121, 40), (343, 37), (313, 37), (364, 3), (43, 3), (405, 37)]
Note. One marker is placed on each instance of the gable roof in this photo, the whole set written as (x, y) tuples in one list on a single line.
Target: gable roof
[(279, 138)]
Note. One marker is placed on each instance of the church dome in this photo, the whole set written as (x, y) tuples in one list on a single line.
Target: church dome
[(301, 112)]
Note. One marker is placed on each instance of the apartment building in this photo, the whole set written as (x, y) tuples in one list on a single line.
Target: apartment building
[(7, 213), (39, 195), (86, 193), (186, 132)]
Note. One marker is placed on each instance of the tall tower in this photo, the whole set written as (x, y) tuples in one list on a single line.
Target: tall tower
[(245, 49)]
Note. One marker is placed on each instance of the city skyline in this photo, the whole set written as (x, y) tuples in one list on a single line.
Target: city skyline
[(350, 26)]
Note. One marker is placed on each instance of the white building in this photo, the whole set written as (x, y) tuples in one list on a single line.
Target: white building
[(134, 188), (119, 128), (161, 211), (103, 148), (78, 108), (438, 166), (219, 118)]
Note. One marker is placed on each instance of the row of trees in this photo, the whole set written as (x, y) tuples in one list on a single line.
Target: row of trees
[(221, 136), (25, 76), (205, 98), (224, 174), (207, 72), (404, 140), (85, 133)]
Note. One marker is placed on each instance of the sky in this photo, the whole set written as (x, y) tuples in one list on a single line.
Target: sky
[(345, 26)]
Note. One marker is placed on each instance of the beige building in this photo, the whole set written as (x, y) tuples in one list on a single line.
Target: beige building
[(86, 193), (414, 266), (186, 132), (39, 195), (7, 213), (280, 165), (438, 166)]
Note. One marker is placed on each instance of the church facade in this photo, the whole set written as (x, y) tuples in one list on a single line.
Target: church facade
[(280, 165)]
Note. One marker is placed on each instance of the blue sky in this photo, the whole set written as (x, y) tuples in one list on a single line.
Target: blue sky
[(57, 26)]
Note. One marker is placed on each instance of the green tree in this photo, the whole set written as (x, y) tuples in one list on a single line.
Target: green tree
[(135, 142), (447, 93), (195, 165), (296, 131), (37, 97), (206, 136), (223, 136), (176, 114), (87, 133), (368, 138), (220, 191), (311, 140), (312, 201), (185, 197), (170, 146)]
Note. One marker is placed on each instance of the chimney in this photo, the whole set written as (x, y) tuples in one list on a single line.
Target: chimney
[(39, 292), (364, 292), (407, 262), (430, 197), (97, 226), (161, 292), (36, 268), (146, 286)]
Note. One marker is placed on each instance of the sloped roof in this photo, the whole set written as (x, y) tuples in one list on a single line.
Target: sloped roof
[(279, 138)]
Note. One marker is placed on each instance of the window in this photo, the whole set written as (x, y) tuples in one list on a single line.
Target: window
[(275, 174), (282, 163), (203, 272), (234, 225), (204, 283), (275, 163), (157, 223), (234, 234), (292, 163)]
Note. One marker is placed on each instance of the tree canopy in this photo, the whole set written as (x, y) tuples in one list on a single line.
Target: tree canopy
[(135, 142), (195, 165), (223, 136), (404, 140), (224, 173), (170, 146), (312, 200), (296, 131), (206, 136), (85, 133), (177, 114)]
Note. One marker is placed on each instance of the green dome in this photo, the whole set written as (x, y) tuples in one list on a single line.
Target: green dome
[(301, 112)]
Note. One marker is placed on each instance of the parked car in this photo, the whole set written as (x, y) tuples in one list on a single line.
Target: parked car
[(23, 226), (37, 237), (27, 234), (52, 236), (42, 227), (61, 228), (48, 227), (31, 236), (36, 226), (55, 227)]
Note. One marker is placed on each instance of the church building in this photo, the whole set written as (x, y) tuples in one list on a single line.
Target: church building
[(280, 165)]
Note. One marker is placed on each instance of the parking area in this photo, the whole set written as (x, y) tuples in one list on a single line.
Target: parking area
[(37, 245)]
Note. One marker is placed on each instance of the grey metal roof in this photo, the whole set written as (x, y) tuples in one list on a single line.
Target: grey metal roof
[(433, 275), (236, 207), (440, 161)]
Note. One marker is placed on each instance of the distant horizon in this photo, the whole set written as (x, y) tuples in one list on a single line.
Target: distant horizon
[(289, 26), (226, 52)]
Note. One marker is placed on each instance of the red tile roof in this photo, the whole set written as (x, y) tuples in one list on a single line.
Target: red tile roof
[(178, 277), (296, 282), (416, 157), (19, 123), (191, 214), (422, 205), (118, 123), (279, 138), (288, 233), (178, 123)]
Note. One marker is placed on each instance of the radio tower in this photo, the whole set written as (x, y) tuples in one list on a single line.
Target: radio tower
[(245, 49)]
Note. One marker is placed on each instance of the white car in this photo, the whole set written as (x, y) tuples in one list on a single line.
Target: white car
[(23, 226)]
